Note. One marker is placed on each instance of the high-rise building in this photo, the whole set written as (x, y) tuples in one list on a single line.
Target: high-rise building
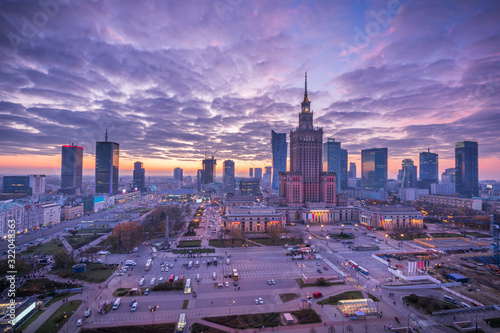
[(352, 170), (71, 166), (178, 174), (266, 177), (228, 180), (408, 174), (279, 154), (448, 176), (466, 169), (429, 169), (250, 173), (335, 160), (16, 185), (306, 182), (199, 178), (139, 177), (37, 184), (209, 170), (258, 173), (107, 166), (374, 169), (249, 187)]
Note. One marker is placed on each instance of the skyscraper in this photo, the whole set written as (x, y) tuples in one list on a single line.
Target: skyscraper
[(178, 174), (429, 169), (37, 184), (352, 170), (250, 173), (249, 187), (209, 170), (448, 176), (71, 166), (466, 168), (228, 181), (139, 177), (335, 160), (107, 166), (279, 154), (408, 174), (199, 178), (306, 182), (374, 169), (258, 173)]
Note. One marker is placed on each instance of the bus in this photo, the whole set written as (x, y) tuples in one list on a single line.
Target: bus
[(187, 287), (181, 324), (449, 299), (353, 264), (235, 274), (148, 264), (363, 270), (154, 252)]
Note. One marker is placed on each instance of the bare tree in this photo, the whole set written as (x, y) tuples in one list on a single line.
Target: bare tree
[(273, 229)]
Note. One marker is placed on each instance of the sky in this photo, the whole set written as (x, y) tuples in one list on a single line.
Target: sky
[(172, 81)]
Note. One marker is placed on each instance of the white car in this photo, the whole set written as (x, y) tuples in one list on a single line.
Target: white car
[(256, 301), (227, 284), (79, 322), (261, 301), (99, 261)]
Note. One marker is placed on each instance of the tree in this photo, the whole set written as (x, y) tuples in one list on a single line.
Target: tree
[(331, 329), (349, 328), (274, 230), (62, 259)]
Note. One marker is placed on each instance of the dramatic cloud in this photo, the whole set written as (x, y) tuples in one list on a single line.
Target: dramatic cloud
[(170, 80)]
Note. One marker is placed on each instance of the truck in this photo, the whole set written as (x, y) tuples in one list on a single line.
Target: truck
[(130, 263)]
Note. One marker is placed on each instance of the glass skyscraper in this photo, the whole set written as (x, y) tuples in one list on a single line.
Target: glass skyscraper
[(335, 160), (408, 174), (374, 169), (178, 174), (209, 165), (107, 166), (71, 167), (466, 168), (228, 181), (429, 169), (139, 177), (279, 155)]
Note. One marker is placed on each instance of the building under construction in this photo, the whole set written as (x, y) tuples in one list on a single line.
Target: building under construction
[(208, 175)]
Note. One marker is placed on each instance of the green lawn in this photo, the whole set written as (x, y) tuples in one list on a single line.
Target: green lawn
[(374, 298), (95, 273), (29, 321), (157, 328), (342, 236), (288, 297), (428, 305), (408, 237), (59, 297), (78, 241), (333, 300), (229, 243), (194, 243), (49, 248), (444, 235), (278, 242), (57, 320), (186, 251), (478, 235), (93, 231)]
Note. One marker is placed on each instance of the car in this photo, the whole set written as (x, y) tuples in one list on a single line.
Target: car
[(79, 322), (325, 268), (132, 302), (166, 269), (171, 265), (269, 282), (273, 282), (162, 263), (87, 313), (235, 283), (317, 263), (160, 280), (389, 280), (261, 301), (99, 261), (162, 269), (227, 284), (146, 292), (256, 301), (317, 294), (120, 274), (319, 271), (225, 276)]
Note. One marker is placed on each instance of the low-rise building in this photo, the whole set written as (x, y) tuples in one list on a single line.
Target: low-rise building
[(73, 211), (11, 214), (51, 214), (390, 217), (472, 203), (253, 219)]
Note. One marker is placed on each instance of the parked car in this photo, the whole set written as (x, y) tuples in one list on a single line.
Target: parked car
[(235, 283), (269, 282), (132, 302), (325, 268), (319, 271), (227, 284), (87, 313), (273, 282), (79, 322), (146, 292), (261, 301), (256, 301)]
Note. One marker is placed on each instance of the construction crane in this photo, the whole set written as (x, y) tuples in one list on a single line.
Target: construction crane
[(216, 150)]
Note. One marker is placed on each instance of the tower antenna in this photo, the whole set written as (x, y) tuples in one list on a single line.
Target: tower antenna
[(106, 137)]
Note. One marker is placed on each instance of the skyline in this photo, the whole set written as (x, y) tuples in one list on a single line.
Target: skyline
[(181, 74)]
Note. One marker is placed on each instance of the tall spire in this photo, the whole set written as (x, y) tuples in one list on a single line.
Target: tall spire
[(106, 137), (305, 90)]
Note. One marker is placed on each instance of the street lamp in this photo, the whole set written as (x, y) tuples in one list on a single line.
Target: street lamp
[(153, 309), (402, 235), (321, 227)]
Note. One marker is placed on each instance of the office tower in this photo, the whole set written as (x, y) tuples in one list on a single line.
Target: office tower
[(335, 160), (37, 184), (279, 154), (448, 176), (16, 185), (266, 177), (228, 181), (374, 169), (178, 174), (107, 166), (429, 169), (250, 173), (258, 173), (269, 169), (249, 187), (199, 178), (139, 177), (306, 182), (209, 169), (466, 169), (408, 174), (71, 166), (352, 170)]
